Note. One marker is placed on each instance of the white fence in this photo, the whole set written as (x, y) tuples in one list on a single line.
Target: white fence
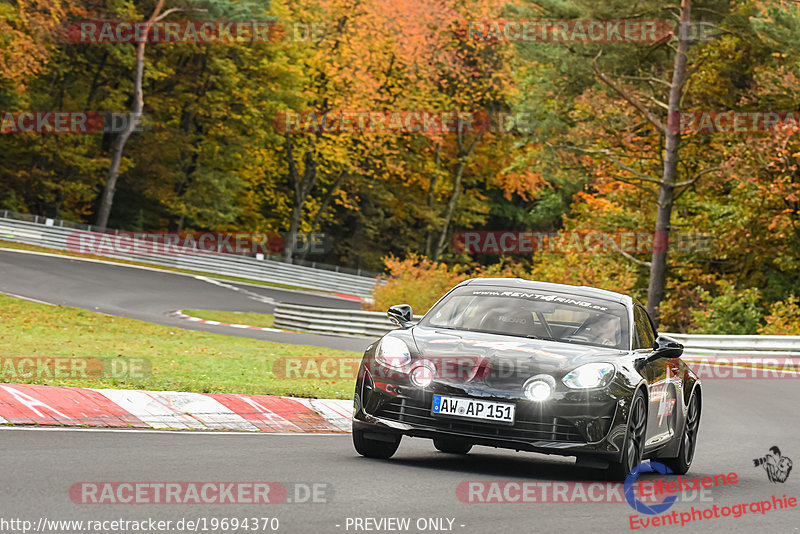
[(54, 234)]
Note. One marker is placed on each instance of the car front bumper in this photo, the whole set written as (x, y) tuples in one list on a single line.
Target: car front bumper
[(571, 423)]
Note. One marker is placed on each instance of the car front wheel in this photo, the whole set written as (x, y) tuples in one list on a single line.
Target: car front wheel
[(452, 446), (634, 440), (681, 464), (381, 446)]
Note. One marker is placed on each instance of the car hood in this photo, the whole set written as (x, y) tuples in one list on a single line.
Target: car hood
[(498, 360)]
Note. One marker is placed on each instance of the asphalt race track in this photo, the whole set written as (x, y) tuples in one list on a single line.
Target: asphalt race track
[(741, 420), (151, 295)]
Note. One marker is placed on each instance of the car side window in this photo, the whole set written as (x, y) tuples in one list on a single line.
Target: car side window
[(644, 337), (648, 326), (638, 339)]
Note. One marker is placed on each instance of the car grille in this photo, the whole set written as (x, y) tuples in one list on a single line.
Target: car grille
[(527, 426)]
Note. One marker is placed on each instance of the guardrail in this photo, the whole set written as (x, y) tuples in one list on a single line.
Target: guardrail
[(332, 321), (376, 324), (49, 233), (698, 346)]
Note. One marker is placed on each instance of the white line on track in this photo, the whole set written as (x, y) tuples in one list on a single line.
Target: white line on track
[(181, 315), (249, 294), (30, 299)]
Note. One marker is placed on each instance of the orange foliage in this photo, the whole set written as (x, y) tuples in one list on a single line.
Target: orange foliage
[(784, 318), (419, 282), (28, 34)]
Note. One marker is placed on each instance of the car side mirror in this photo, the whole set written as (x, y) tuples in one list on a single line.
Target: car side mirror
[(666, 347), (401, 315)]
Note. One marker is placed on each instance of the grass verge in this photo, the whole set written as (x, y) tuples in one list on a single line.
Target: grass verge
[(180, 360)]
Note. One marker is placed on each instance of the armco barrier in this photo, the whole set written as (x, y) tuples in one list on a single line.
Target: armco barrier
[(332, 320), (376, 324), (49, 233), (708, 346)]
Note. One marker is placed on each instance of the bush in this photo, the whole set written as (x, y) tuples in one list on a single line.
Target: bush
[(419, 282), (676, 310), (729, 312), (784, 318)]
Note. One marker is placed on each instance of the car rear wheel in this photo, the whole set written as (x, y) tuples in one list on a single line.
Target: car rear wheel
[(634, 440), (683, 462), (452, 446), (383, 447)]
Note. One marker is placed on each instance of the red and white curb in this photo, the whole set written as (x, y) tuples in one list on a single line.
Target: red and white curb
[(350, 297), (180, 315), (26, 404)]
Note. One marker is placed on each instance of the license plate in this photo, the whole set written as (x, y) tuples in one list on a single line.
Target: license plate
[(499, 412)]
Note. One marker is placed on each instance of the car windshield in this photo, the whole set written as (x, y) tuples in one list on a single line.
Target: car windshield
[(533, 314)]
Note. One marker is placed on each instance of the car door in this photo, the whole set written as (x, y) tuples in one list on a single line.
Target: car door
[(662, 377)]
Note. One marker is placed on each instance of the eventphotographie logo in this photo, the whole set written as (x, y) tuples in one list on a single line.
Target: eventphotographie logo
[(777, 467)]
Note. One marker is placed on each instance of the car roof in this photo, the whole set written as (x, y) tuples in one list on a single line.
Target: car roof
[(521, 283)]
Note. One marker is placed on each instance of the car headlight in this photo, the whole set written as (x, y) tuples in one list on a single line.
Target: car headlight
[(393, 352), (422, 375), (590, 375), (539, 388)]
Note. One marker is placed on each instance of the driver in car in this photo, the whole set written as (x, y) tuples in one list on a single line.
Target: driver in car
[(604, 328)]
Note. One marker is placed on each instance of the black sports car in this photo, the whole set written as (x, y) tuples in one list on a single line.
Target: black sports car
[(530, 366)]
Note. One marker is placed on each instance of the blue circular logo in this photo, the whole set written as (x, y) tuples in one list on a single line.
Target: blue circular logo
[(636, 504)]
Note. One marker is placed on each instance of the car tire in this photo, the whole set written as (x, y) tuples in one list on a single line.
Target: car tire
[(681, 464), (375, 448), (634, 439), (452, 446)]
